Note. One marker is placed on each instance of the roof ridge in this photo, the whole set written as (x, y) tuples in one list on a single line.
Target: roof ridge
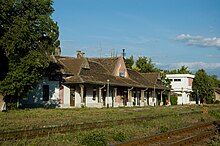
[(100, 65)]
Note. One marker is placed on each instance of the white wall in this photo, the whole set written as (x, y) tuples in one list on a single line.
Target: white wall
[(35, 98), (66, 97), (182, 88)]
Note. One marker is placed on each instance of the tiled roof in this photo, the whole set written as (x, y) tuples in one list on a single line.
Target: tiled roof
[(98, 74), (99, 70), (73, 65), (146, 80), (153, 77), (108, 63)]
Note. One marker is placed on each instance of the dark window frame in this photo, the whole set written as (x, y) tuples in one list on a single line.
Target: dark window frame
[(46, 92)]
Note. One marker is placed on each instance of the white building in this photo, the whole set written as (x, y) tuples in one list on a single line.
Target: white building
[(182, 86)]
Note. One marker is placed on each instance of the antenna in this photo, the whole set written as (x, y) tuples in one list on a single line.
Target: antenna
[(123, 53)]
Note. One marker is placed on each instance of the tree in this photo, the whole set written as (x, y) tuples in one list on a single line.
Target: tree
[(28, 37), (203, 86), (215, 81), (183, 70), (129, 62), (145, 65)]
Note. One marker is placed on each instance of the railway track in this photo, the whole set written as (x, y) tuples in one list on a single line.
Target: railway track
[(184, 136), (71, 128), (45, 131)]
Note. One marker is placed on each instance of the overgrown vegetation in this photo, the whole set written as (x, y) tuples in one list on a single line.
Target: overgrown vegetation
[(119, 136), (173, 99), (112, 134), (93, 138)]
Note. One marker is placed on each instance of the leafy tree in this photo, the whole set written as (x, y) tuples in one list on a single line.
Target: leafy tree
[(215, 81), (129, 62), (28, 37), (182, 70), (145, 65), (165, 81), (136, 68), (203, 85)]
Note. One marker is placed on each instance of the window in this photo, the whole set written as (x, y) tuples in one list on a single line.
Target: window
[(171, 80), (122, 74), (177, 80), (94, 93), (45, 92)]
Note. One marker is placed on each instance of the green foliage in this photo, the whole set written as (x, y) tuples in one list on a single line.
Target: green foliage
[(216, 82), (215, 114), (202, 119), (182, 70), (119, 136), (165, 81), (94, 138), (28, 37), (163, 129), (129, 62), (215, 141), (173, 99), (145, 64), (203, 86), (136, 68)]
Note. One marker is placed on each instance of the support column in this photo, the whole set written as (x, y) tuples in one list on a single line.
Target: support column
[(81, 92), (129, 97), (161, 98), (114, 97), (100, 95), (142, 95)]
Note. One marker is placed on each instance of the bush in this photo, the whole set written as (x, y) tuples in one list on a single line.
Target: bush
[(119, 136), (217, 102), (163, 129), (173, 99), (94, 138)]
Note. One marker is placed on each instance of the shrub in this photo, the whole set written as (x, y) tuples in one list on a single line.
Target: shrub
[(173, 99), (163, 129), (94, 138), (217, 102), (119, 136), (215, 114)]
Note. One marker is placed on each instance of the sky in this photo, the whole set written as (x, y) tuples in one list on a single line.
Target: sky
[(172, 33)]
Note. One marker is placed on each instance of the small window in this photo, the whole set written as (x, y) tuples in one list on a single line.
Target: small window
[(177, 80), (94, 93), (122, 74), (45, 92), (171, 80)]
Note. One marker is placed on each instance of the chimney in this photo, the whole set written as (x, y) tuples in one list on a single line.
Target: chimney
[(57, 51), (80, 54)]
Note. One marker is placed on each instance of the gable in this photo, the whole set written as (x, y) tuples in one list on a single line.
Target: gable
[(120, 68)]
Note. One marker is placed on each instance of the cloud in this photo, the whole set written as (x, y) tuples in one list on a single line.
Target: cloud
[(210, 68), (197, 65), (193, 66), (199, 40)]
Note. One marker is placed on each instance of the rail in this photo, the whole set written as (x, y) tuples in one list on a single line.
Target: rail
[(183, 136)]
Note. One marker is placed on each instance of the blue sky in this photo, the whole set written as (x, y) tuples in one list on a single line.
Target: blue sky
[(170, 32)]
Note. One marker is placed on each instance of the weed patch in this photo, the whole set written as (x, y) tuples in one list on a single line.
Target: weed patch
[(119, 136), (94, 138)]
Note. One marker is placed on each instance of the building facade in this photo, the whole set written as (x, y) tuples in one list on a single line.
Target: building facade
[(94, 82), (181, 84)]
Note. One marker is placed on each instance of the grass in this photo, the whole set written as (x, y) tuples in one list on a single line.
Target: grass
[(35, 118)]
